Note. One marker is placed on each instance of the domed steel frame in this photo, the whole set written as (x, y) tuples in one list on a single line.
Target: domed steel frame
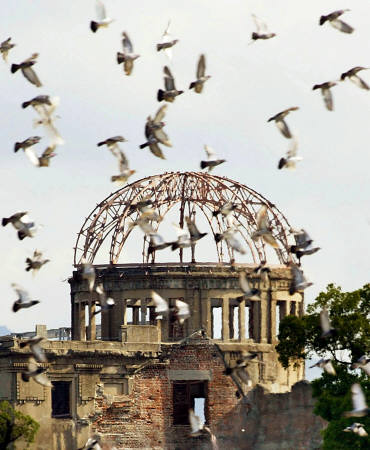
[(113, 215)]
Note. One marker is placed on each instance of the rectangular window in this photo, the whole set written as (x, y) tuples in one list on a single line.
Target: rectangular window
[(279, 311), (234, 319), (247, 327), (293, 308), (188, 395), (61, 399), (216, 318)]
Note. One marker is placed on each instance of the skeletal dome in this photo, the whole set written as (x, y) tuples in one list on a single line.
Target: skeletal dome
[(179, 195)]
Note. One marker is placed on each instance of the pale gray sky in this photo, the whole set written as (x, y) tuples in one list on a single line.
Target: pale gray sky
[(328, 194)]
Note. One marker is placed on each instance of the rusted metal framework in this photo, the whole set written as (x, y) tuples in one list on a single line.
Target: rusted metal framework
[(192, 191)]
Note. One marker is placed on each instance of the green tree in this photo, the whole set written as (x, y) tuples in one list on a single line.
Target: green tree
[(300, 338), (15, 425)]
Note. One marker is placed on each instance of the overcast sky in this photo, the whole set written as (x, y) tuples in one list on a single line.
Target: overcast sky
[(328, 194)]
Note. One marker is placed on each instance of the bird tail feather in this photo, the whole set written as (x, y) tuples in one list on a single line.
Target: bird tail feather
[(120, 58), (144, 145), (14, 68), (160, 95), (5, 221), (21, 235), (94, 26)]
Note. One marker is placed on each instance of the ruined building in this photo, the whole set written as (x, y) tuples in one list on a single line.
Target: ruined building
[(135, 385)]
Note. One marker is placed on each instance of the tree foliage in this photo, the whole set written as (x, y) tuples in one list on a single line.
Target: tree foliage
[(300, 338), (15, 425)]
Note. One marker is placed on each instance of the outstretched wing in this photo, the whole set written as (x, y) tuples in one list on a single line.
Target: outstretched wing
[(161, 305), (159, 115), (201, 69), (358, 397), (211, 155), (262, 218), (100, 10), (31, 76), (126, 43)]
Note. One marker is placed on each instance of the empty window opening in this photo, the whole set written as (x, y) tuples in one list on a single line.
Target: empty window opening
[(216, 322), (293, 309), (141, 316), (278, 313), (188, 395), (199, 408), (247, 320), (60, 399), (132, 315), (234, 320)]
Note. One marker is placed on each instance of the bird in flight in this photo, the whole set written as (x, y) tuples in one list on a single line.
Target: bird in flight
[(5, 47), (24, 300), (264, 230), (352, 76), (127, 57), (290, 159), (325, 364), (360, 407), (298, 281), (280, 122), (212, 161), (332, 18), (27, 70), (170, 92), (326, 93), (102, 21), (36, 262), (262, 31), (167, 42), (198, 84)]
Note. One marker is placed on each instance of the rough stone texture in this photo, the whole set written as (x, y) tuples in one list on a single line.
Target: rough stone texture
[(282, 421)]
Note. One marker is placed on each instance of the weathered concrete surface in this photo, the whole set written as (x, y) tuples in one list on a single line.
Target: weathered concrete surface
[(276, 421)]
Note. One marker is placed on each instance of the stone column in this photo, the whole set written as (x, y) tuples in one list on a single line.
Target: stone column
[(225, 319), (242, 323), (74, 312), (91, 331), (285, 309), (273, 303), (82, 321), (205, 310), (264, 316), (255, 312), (143, 309)]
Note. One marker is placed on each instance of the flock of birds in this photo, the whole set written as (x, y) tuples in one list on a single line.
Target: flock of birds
[(45, 107)]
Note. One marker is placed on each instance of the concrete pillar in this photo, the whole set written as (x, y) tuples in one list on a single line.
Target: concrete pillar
[(273, 304), (41, 331), (82, 321), (143, 308), (91, 330), (285, 309), (205, 311), (124, 312), (225, 319), (255, 315), (264, 316), (74, 312), (242, 323)]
